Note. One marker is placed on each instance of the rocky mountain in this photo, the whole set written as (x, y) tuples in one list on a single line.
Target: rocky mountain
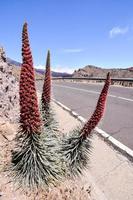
[(93, 71)]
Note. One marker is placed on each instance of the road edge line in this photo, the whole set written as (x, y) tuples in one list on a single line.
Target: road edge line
[(108, 138)]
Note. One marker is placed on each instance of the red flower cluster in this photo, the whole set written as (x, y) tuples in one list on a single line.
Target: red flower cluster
[(29, 111), (98, 113), (46, 94)]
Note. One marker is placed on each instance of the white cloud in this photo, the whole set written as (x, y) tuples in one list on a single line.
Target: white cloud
[(73, 50), (118, 31), (58, 68), (39, 66)]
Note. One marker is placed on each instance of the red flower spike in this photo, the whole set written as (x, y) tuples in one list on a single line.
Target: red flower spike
[(46, 94), (98, 113), (29, 111)]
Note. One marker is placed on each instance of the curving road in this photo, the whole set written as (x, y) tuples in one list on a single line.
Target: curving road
[(82, 98)]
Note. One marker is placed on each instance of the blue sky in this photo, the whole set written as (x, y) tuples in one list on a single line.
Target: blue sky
[(78, 32)]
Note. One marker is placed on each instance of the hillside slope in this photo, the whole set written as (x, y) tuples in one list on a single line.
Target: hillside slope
[(93, 71)]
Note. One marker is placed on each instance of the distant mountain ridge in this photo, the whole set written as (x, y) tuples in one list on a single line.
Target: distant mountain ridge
[(39, 71), (93, 71), (87, 71), (55, 74), (13, 62)]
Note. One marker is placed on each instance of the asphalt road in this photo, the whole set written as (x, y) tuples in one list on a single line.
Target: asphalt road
[(82, 98)]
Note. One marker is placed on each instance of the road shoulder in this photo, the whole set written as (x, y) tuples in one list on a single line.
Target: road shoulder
[(111, 172)]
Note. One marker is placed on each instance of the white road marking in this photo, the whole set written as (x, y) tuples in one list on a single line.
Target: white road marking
[(91, 91), (126, 99), (100, 131), (74, 88), (112, 96)]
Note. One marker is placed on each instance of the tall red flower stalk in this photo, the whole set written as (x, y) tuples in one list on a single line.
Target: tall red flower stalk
[(48, 115), (29, 111), (46, 94), (98, 113), (34, 163), (77, 146)]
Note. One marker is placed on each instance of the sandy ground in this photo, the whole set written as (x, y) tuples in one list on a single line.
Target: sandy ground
[(69, 190)]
